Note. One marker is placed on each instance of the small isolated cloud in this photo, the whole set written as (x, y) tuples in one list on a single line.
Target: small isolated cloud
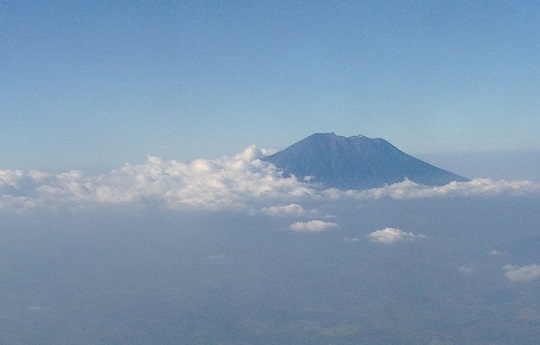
[(268, 152), (468, 268), (284, 210), (392, 235), (496, 252), (350, 239), (219, 256), (312, 226), (523, 273)]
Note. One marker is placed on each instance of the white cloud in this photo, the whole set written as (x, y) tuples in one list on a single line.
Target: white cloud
[(495, 252), (228, 182), (350, 239), (291, 209), (268, 152), (392, 235), (239, 182), (523, 273), (411, 190), (312, 226)]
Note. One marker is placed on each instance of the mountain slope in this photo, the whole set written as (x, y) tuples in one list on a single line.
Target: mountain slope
[(355, 163)]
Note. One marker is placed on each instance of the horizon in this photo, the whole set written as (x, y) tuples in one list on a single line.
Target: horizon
[(502, 164)]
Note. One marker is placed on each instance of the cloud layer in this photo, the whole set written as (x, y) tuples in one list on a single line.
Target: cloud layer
[(225, 183), (214, 184), (411, 190)]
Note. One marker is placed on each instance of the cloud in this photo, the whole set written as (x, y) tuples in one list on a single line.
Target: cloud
[(495, 252), (19, 190), (225, 183), (312, 226), (392, 235), (350, 239), (222, 183), (523, 273), (411, 190), (284, 210), (219, 256), (241, 182), (468, 268)]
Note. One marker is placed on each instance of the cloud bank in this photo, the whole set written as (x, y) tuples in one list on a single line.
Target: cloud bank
[(239, 182), (392, 235), (411, 190), (224, 183)]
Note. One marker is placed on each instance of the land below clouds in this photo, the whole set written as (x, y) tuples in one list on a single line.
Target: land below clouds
[(147, 275)]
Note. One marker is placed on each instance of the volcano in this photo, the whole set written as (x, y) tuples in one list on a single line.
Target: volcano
[(357, 162)]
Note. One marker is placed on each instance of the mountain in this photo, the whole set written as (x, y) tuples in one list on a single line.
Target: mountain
[(356, 162)]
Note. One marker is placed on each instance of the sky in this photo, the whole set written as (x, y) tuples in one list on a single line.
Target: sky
[(93, 85)]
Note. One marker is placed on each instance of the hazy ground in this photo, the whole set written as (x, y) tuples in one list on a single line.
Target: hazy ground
[(126, 275)]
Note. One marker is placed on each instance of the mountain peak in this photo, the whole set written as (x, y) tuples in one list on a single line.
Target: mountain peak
[(356, 162)]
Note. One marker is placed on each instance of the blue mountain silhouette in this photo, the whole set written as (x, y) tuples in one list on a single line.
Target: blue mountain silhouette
[(356, 162)]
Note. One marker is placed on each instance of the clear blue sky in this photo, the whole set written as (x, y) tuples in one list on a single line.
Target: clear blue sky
[(94, 84)]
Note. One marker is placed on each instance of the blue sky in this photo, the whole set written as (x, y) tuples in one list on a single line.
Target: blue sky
[(91, 85)]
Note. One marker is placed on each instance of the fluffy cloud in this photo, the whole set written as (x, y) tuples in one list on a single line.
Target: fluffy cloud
[(19, 190), (229, 182), (312, 226), (392, 235), (523, 273)]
